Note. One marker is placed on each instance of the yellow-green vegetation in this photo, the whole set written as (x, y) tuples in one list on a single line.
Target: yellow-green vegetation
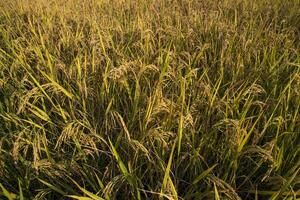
[(149, 99)]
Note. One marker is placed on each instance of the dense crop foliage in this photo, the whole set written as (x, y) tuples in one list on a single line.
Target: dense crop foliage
[(149, 99)]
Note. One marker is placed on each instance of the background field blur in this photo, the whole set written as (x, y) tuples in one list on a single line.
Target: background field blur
[(149, 99)]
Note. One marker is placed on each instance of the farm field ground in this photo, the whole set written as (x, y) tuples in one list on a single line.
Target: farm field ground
[(150, 99)]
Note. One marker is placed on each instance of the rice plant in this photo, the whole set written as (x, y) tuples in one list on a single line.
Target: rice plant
[(149, 99)]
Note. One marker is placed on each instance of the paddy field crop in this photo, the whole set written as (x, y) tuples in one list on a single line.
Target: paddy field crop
[(150, 99)]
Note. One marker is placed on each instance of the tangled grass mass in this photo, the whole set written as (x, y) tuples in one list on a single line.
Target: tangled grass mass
[(150, 99)]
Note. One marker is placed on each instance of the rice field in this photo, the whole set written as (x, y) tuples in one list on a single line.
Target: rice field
[(150, 99)]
